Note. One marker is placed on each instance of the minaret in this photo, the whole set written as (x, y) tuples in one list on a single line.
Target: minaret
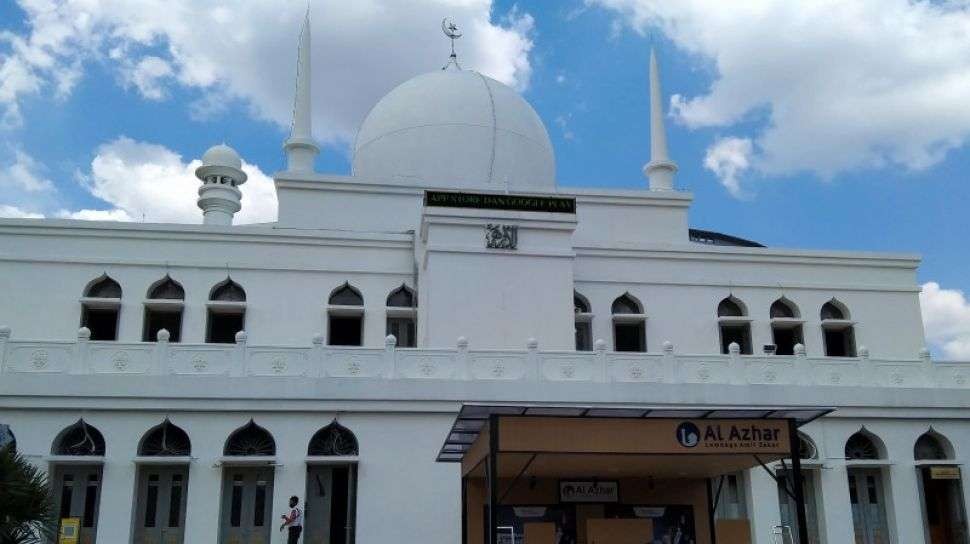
[(660, 170), (300, 148), (221, 175)]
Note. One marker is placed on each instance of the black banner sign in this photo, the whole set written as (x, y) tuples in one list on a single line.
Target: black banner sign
[(518, 203)]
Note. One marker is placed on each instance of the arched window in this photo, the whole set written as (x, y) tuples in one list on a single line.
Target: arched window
[(165, 440), (101, 307), (402, 316), (79, 439), (226, 312), (346, 317), (837, 331), (786, 326), (734, 325), (583, 322), (862, 446), (103, 287), (334, 439), (249, 440), (346, 295), (163, 310), (932, 446), (402, 297), (629, 324)]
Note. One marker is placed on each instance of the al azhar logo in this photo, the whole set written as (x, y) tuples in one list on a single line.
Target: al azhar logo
[(688, 434)]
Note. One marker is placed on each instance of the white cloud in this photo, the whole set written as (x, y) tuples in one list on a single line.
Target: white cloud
[(144, 181), (834, 86), (18, 213), (149, 76), (247, 51), (946, 316), (24, 175), (728, 158)]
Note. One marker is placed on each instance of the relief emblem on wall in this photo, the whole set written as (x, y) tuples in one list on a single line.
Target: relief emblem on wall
[(498, 236)]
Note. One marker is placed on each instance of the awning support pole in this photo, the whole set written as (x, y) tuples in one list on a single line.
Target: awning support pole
[(492, 467), (717, 496), (516, 479), (783, 482), (710, 512), (796, 469)]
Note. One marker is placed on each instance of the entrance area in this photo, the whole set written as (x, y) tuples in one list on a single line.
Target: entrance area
[(943, 500), (78, 488), (571, 475), (868, 506), (328, 516), (247, 495), (160, 504)]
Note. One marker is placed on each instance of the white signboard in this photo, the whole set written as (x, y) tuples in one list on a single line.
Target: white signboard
[(589, 491)]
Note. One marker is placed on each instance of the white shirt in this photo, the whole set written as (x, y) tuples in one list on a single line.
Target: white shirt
[(297, 516)]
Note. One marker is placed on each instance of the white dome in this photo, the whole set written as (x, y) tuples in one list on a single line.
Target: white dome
[(222, 155), (455, 128)]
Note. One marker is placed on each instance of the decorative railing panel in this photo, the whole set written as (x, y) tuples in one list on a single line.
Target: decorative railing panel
[(317, 361)]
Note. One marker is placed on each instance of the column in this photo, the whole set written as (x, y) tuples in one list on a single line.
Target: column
[(903, 503), (836, 510), (762, 502), (117, 500), (204, 498), (290, 475)]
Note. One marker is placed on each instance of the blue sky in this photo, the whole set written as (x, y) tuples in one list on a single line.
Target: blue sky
[(854, 143)]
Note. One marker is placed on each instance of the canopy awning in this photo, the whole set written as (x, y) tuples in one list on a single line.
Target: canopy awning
[(473, 418)]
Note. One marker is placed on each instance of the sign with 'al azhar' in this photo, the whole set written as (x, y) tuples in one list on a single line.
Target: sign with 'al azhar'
[(726, 435)]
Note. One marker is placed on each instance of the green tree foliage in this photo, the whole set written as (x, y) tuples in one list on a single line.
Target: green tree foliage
[(26, 510)]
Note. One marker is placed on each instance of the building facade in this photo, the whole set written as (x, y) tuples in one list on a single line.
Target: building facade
[(180, 382)]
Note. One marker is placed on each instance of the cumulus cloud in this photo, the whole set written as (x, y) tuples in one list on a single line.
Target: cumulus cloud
[(833, 86), (728, 158), (137, 181), (145, 181), (246, 51), (14, 212), (946, 316)]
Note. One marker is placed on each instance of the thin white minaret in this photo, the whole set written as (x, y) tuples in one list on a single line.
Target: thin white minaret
[(300, 148), (660, 170)]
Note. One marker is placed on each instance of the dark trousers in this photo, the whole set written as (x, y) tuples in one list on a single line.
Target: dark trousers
[(294, 535)]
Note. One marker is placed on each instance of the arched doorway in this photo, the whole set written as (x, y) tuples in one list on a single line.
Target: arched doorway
[(331, 486), (867, 496), (247, 485), (162, 485), (946, 521), (78, 457)]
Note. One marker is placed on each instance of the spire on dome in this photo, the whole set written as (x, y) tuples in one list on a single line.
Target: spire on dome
[(451, 31), (660, 170), (300, 148)]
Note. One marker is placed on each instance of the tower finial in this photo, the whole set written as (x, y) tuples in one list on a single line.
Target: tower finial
[(660, 170), (300, 148), (451, 31)]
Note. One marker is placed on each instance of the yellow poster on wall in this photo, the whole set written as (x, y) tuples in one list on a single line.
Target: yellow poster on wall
[(70, 528)]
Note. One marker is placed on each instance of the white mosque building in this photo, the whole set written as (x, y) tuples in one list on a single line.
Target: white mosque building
[(445, 347)]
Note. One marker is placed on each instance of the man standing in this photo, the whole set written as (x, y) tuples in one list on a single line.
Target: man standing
[(293, 520)]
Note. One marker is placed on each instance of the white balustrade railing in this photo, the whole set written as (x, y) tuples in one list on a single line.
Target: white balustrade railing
[(163, 357)]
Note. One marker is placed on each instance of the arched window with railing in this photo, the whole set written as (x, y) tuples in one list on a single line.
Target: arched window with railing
[(226, 312), (629, 324), (838, 330), (163, 310), (734, 324), (786, 326), (101, 308), (345, 315), (402, 316), (583, 319)]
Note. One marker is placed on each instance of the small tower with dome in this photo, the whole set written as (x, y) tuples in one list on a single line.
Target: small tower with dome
[(221, 175)]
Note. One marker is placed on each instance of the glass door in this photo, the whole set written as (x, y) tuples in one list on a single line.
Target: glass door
[(160, 505), (868, 506), (247, 500)]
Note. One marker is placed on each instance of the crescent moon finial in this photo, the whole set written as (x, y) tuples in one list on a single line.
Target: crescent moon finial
[(451, 31)]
